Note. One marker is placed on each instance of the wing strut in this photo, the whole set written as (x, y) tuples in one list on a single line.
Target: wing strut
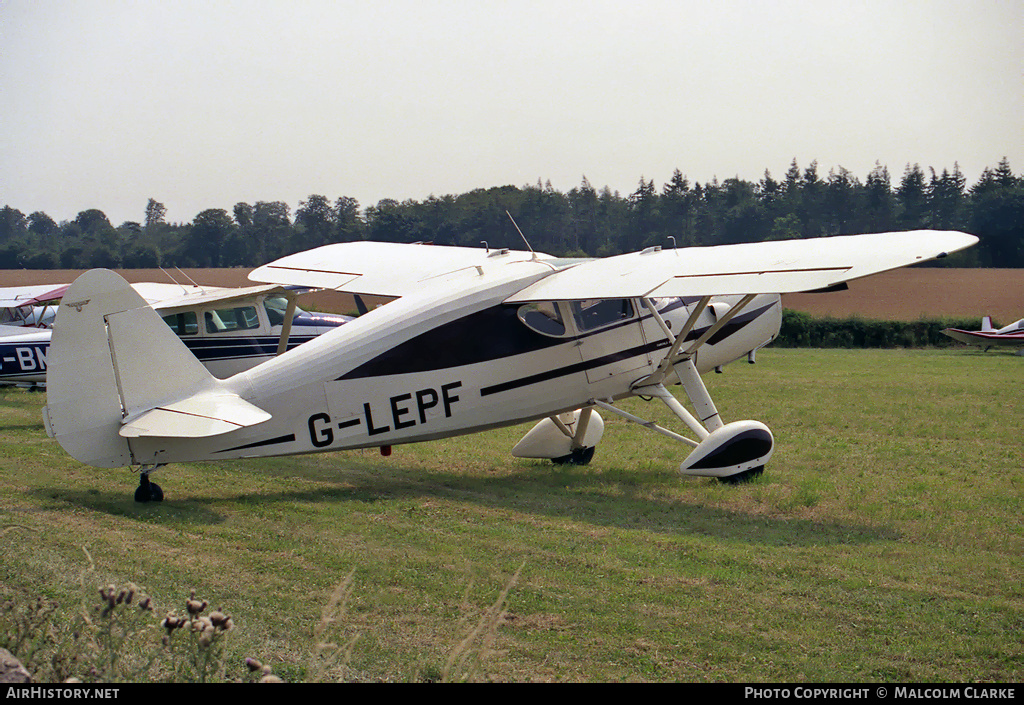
[(286, 327), (731, 452), (673, 355)]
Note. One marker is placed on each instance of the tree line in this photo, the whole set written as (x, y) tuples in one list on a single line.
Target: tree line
[(585, 221)]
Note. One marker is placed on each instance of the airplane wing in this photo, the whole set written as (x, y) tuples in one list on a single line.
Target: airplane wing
[(379, 268), (776, 267), (13, 296), (206, 296)]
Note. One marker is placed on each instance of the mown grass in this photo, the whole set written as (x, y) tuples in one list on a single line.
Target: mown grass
[(884, 541)]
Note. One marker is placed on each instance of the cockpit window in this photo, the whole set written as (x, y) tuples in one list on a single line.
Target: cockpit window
[(228, 319), (597, 313), (544, 318), (18, 315), (184, 323)]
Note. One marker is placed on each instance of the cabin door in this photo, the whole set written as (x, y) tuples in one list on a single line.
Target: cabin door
[(611, 341)]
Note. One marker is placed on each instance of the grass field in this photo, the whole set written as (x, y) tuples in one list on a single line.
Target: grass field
[(883, 543)]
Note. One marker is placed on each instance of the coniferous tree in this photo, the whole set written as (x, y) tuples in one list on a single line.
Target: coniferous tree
[(841, 203), (677, 210), (912, 199), (879, 203), (946, 199)]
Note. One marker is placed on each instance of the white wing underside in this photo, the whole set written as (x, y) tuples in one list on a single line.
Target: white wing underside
[(380, 268), (778, 267)]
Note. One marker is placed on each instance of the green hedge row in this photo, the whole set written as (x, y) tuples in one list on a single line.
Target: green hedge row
[(801, 330)]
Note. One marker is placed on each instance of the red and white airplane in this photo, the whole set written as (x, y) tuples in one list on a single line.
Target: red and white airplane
[(990, 337), (29, 306), (477, 339)]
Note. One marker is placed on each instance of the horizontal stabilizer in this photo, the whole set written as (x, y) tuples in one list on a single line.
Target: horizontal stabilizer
[(196, 417)]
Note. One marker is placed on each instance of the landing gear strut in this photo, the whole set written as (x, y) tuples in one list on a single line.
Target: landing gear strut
[(148, 491), (733, 453)]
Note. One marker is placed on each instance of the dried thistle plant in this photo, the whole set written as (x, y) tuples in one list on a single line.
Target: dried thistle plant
[(466, 658)]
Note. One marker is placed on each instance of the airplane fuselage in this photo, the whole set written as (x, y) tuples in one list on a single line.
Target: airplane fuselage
[(456, 359)]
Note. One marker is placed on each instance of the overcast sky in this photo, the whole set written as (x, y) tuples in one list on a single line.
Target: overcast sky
[(106, 103)]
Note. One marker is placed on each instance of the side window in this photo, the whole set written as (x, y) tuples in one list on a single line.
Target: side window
[(597, 313), (228, 319), (543, 318), (184, 323)]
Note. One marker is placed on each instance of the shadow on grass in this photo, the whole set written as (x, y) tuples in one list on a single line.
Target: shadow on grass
[(123, 504), (26, 426), (602, 498)]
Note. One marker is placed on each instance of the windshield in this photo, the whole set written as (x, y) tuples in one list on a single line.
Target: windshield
[(277, 307), (544, 318)]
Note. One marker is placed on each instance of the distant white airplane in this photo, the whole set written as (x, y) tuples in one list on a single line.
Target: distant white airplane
[(228, 330), (477, 339), (989, 337)]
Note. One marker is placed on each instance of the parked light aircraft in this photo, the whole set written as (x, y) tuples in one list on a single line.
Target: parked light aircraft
[(989, 337), (29, 306), (477, 339), (228, 330)]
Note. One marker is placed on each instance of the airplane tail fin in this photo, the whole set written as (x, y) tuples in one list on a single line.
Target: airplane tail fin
[(117, 371), (986, 325)]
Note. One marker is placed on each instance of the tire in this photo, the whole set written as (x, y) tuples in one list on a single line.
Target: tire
[(741, 477)]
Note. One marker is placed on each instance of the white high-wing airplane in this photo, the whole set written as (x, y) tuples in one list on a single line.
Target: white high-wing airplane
[(227, 329), (477, 339)]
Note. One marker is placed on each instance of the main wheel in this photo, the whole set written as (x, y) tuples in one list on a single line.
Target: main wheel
[(580, 456), (741, 477), (148, 491)]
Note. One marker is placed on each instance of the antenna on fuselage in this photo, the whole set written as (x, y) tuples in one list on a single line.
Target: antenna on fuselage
[(521, 234), (176, 282)]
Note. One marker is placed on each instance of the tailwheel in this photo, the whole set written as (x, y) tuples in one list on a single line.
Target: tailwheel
[(741, 477), (148, 491)]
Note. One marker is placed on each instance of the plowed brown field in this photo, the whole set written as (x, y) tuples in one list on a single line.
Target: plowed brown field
[(910, 294), (900, 295)]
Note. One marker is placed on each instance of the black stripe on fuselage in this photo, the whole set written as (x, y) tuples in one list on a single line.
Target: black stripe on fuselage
[(574, 368), (733, 326), (261, 444), (486, 335), (497, 333)]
